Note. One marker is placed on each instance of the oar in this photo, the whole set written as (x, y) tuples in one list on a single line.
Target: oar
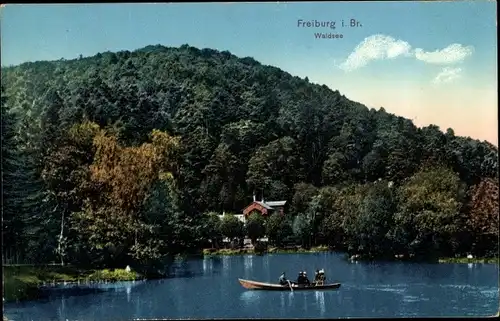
[(290, 284)]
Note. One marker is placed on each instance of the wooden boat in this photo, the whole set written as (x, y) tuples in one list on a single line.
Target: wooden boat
[(254, 285)]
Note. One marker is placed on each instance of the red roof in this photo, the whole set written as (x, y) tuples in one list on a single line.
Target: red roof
[(263, 207)]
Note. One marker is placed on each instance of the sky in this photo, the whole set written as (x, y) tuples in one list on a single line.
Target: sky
[(432, 62)]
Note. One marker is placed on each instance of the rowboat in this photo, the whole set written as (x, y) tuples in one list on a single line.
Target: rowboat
[(254, 285)]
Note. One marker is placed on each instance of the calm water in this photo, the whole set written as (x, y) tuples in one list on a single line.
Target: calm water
[(208, 288)]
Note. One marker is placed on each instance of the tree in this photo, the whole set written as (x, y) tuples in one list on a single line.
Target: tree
[(212, 228), (374, 165), (374, 220), (67, 176), (483, 215), (278, 228), (255, 226), (483, 206), (231, 227), (302, 229), (304, 192), (114, 224), (429, 211), (433, 144), (241, 127), (334, 169), (166, 228), (346, 213), (276, 161), (219, 185), (50, 119), (327, 211), (12, 223), (27, 206)]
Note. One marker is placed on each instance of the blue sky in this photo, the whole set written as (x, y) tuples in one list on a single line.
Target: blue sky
[(434, 62)]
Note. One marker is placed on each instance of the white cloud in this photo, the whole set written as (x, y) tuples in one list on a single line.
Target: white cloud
[(452, 54), (447, 75), (375, 47), (378, 47)]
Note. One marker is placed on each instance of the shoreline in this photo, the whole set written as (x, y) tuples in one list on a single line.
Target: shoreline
[(322, 249), (23, 283), (464, 260), (271, 250)]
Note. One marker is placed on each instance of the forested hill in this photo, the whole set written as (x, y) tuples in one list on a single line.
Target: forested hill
[(241, 127)]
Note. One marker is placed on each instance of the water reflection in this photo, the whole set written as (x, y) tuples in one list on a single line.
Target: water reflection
[(282, 303), (62, 308), (49, 293), (249, 298), (266, 261), (190, 269), (248, 262), (129, 290), (217, 261), (320, 301), (210, 265), (205, 265), (225, 265), (286, 300)]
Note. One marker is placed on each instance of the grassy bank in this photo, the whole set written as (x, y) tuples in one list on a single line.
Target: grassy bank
[(208, 252), (466, 260), (315, 249), (277, 250), (23, 282), (273, 250), (424, 259)]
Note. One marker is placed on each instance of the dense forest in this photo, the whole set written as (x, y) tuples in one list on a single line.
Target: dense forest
[(122, 157)]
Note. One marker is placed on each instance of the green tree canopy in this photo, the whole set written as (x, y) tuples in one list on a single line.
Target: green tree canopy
[(255, 226), (278, 228), (231, 227), (429, 209), (95, 142)]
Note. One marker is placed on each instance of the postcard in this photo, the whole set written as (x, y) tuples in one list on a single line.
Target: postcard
[(249, 160)]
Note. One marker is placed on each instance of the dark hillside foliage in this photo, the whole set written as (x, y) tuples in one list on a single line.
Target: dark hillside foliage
[(118, 158)]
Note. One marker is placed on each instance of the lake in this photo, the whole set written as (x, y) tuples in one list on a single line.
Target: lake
[(208, 288)]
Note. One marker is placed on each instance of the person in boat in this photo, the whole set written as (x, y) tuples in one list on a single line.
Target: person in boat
[(300, 278), (321, 277), (283, 280), (306, 279), (316, 276)]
